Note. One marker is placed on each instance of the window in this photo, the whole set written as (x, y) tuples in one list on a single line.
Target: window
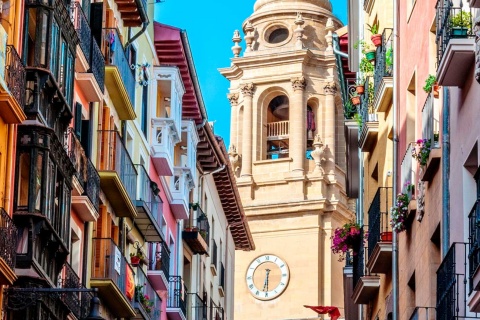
[(277, 143), (144, 119), (278, 35), (78, 120)]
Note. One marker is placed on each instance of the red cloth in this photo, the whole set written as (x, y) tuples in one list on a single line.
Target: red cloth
[(332, 311), (130, 284)]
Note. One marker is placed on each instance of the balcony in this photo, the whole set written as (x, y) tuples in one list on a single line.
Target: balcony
[(133, 12), (149, 207), (455, 44), (89, 75), (221, 281), (189, 142), (177, 295), (383, 81), (430, 131), (118, 176), (369, 127), (119, 77), (199, 310), (110, 271), (366, 286), (278, 130), (407, 174), (213, 258), (197, 236), (77, 302), (159, 268), (86, 181), (12, 92), (380, 232), (216, 312), (474, 249), (8, 245), (147, 302), (180, 185), (164, 137)]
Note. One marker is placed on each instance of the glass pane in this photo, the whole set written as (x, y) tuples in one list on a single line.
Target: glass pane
[(43, 32), (38, 182), (54, 48), (50, 189), (23, 180)]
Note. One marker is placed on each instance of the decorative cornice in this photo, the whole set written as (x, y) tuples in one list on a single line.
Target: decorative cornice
[(247, 89), (299, 83), (330, 88), (233, 98)]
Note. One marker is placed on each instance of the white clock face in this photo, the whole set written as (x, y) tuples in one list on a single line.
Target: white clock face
[(267, 277)]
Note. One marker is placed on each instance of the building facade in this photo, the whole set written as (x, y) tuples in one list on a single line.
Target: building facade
[(287, 151)]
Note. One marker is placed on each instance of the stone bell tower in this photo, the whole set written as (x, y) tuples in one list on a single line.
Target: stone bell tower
[(288, 152)]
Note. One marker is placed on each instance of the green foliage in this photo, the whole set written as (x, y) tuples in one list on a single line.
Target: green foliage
[(349, 110), (363, 46), (358, 118), (366, 67), (429, 82), (389, 58), (462, 19), (374, 27)]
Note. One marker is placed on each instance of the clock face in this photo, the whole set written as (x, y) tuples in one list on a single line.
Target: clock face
[(267, 277)]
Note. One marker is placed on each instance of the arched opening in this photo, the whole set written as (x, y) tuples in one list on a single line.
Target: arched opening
[(311, 127), (278, 128)]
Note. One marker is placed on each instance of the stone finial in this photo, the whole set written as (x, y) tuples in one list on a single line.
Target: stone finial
[(299, 31), (233, 98), (330, 88), (317, 154), (329, 27), (476, 30), (299, 83), (249, 36), (247, 89), (236, 49), (235, 159)]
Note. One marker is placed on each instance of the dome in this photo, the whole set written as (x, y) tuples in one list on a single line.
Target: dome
[(263, 4)]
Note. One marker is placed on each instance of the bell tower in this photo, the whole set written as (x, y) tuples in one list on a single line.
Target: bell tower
[(288, 152)]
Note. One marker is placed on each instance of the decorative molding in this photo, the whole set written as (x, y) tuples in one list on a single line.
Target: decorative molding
[(330, 88), (299, 83), (233, 98), (247, 89)]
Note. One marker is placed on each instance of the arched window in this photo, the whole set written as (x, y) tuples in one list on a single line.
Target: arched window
[(278, 128)]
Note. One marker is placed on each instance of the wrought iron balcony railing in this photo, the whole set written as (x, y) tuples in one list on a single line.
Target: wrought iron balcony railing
[(367, 111), (15, 75), (430, 122), (8, 238), (83, 29), (77, 302), (379, 228), (216, 312), (85, 171), (201, 225), (359, 259), (451, 23), (146, 195), (474, 242), (162, 259), (177, 294), (384, 59), (199, 307), (114, 53), (115, 157), (146, 297), (97, 65)]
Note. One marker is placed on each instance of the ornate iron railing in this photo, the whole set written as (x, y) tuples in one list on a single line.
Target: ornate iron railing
[(113, 156), (113, 50), (15, 75), (474, 242), (146, 297), (452, 285), (384, 59), (214, 254), (62, 16), (162, 258), (367, 112), (451, 23), (430, 122), (359, 260), (8, 238), (177, 294), (202, 225), (83, 29), (97, 65), (379, 229), (199, 307), (69, 279)]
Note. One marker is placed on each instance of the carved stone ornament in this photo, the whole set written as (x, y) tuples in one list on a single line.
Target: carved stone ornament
[(317, 154), (299, 83), (476, 30), (247, 89), (233, 98), (235, 159), (330, 88), (236, 49)]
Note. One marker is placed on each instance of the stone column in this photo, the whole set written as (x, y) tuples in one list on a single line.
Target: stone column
[(330, 89), (233, 98), (247, 90), (298, 119)]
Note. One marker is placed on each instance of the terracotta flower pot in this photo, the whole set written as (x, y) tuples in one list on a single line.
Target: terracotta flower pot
[(360, 89), (386, 236), (355, 100), (135, 260), (353, 229), (436, 90), (376, 40)]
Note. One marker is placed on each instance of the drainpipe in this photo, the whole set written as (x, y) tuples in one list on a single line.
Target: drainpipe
[(86, 239), (144, 28), (445, 171), (340, 53), (395, 160)]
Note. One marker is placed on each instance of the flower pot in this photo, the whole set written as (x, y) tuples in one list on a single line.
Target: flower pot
[(459, 32), (135, 260), (353, 229), (386, 236), (370, 55), (376, 40), (355, 100), (436, 90), (360, 89)]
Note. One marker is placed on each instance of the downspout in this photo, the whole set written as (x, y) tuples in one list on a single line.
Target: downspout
[(445, 171), (340, 53), (86, 238), (11, 150), (144, 28), (395, 160)]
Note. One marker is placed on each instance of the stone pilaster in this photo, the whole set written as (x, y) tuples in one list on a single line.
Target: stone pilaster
[(330, 90), (298, 118), (247, 90)]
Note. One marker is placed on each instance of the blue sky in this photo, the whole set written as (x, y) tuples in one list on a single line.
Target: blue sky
[(210, 25)]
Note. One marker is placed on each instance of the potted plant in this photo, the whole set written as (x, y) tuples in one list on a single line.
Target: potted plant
[(370, 55), (376, 37), (144, 299), (360, 86), (421, 152), (461, 23), (431, 85), (344, 239), (355, 98), (136, 257), (389, 60), (399, 213)]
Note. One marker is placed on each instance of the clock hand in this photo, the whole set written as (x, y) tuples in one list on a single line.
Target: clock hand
[(265, 284)]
